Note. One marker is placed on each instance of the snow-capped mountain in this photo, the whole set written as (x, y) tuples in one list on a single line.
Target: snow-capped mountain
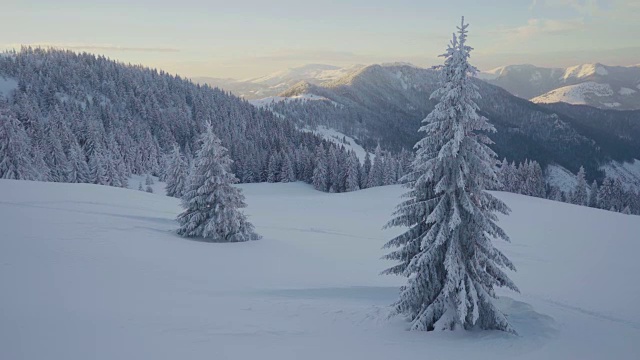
[(598, 85), (275, 83), (385, 104)]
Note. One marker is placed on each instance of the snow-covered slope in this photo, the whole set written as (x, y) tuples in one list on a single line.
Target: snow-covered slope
[(269, 101), (560, 177), (627, 172), (341, 139), (598, 85), (92, 272), (580, 94)]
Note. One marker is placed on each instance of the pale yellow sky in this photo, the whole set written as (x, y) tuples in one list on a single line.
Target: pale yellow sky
[(242, 39)]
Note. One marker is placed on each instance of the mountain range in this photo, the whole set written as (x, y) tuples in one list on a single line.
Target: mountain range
[(384, 104), (597, 85)]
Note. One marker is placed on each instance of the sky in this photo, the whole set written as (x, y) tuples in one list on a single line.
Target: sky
[(242, 39)]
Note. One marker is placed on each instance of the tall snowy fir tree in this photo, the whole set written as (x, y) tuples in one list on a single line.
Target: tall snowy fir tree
[(212, 205), (447, 254), (176, 173)]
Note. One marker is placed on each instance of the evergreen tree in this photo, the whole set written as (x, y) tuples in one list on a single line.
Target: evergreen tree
[(320, 174), (78, 171), (593, 195), (148, 180), (97, 169), (273, 171), (366, 169), (176, 173), (212, 205), (376, 172), (453, 265), (15, 160), (333, 171), (149, 189), (352, 181), (287, 172), (606, 194), (140, 186), (580, 195)]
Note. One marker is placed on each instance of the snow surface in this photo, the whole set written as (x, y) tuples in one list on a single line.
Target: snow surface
[(270, 100), (584, 70), (564, 179), (626, 91), (627, 172), (7, 85), (94, 272), (338, 137), (575, 94)]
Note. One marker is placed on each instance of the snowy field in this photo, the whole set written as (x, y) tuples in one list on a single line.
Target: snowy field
[(93, 272)]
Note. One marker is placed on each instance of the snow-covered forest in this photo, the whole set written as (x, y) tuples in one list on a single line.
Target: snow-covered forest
[(84, 118)]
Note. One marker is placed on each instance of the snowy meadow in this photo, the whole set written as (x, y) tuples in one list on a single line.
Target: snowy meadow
[(98, 272)]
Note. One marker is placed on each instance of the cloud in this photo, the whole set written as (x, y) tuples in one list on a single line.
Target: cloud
[(538, 27), (96, 47)]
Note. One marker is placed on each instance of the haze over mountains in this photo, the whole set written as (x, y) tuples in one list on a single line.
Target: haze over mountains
[(275, 83), (597, 85)]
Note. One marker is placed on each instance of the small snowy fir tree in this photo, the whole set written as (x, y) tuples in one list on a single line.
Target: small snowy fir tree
[(176, 173), (149, 189), (140, 186), (212, 204), (148, 180), (447, 252)]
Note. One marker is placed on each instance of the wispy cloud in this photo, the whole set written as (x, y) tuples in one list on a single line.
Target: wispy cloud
[(538, 27)]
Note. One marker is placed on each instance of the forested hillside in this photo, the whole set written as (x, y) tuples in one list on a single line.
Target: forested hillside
[(85, 118)]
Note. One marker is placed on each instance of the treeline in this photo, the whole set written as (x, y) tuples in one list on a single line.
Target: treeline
[(527, 178)]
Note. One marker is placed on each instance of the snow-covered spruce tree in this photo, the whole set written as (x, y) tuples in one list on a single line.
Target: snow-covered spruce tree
[(78, 171), (352, 180), (376, 176), (212, 204), (593, 195), (320, 173), (580, 195), (176, 173), (287, 173), (447, 253), (366, 169), (15, 160)]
